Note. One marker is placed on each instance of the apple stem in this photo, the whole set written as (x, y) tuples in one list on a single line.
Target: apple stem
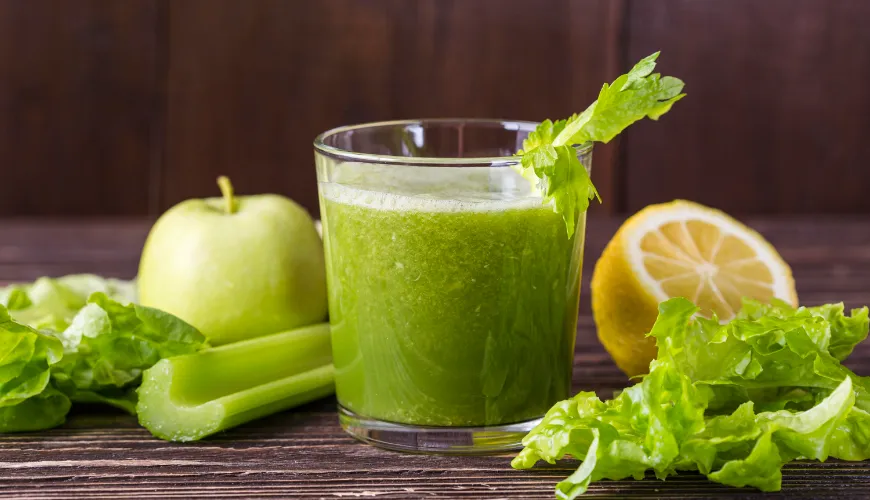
[(227, 191)]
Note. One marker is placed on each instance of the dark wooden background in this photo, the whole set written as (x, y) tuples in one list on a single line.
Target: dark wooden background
[(125, 107)]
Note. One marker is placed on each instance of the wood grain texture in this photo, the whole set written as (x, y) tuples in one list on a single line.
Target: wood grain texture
[(126, 107), (252, 83), (777, 110), (303, 453), (606, 21), (77, 101), (49, 247)]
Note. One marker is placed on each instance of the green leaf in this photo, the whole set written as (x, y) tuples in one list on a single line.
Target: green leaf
[(27, 402), (850, 440), (548, 152), (840, 333), (762, 468), (697, 407), (578, 482), (723, 438), (107, 341), (14, 297), (51, 303), (784, 436), (84, 285), (43, 411), (25, 358), (631, 97), (808, 433), (108, 345), (773, 355)]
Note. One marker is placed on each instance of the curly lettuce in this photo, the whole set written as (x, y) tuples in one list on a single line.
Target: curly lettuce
[(734, 401)]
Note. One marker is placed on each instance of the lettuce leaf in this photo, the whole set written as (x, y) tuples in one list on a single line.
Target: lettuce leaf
[(770, 354), (839, 334), (27, 401), (80, 339), (51, 303), (46, 410), (108, 345), (697, 407)]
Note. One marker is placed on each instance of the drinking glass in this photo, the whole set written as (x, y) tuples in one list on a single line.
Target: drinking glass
[(453, 285)]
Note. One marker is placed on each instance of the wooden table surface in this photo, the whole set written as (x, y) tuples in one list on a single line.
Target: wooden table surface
[(303, 453)]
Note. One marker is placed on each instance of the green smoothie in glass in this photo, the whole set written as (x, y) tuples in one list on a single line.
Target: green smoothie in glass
[(453, 285), (457, 307), (453, 254)]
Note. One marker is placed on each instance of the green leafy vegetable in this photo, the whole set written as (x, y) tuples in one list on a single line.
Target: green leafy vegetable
[(549, 152), (27, 400), (96, 346), (840, 333), (108, 345), (57, 346), (42, 411), (186, 398), (51, 303), (733, 401)]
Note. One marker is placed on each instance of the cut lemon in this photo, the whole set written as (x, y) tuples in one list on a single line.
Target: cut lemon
[(679, 249)]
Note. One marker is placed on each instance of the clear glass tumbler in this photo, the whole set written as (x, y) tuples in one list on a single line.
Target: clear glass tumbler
[(453, 287)]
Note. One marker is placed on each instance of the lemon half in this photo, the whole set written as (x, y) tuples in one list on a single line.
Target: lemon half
[(679, 249)]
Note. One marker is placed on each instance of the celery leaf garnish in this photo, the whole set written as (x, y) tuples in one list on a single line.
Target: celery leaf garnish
[(549, 151)]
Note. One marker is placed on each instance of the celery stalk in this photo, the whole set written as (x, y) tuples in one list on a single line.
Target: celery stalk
[(186, 398)]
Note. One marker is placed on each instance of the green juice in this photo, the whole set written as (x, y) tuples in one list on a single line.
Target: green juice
[(449, 309)]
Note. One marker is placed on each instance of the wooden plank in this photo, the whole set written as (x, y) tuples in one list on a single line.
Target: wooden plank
[(252, 83), (77, 105), (776, 115), (46, 240), (606, 20)]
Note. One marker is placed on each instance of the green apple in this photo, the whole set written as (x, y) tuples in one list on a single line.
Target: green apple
[(235, 268)]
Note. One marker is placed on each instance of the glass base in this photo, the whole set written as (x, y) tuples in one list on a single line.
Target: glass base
[(439, 440)]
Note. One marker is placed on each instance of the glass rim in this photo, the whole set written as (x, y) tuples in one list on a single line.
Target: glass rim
[(320, 145)]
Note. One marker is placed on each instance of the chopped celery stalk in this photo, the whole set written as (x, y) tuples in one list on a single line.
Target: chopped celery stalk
[(186, 398)]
